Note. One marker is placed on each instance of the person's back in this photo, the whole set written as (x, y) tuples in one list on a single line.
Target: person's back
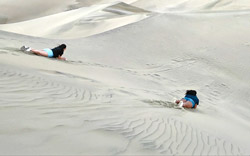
[(192, 94)]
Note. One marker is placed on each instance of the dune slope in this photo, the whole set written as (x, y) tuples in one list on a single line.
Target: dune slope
[(81, 22), (114, 94)]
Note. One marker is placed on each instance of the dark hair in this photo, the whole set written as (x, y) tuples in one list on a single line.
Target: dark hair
[(191, 92), (58, 51), (62, 46)]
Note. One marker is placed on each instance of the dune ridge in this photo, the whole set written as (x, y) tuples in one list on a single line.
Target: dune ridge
[(192, 5), (79, 22), (104, 15)]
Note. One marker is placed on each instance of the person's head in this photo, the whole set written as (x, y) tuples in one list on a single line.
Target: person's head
[(191, 92), (62, 46), (59, 50)]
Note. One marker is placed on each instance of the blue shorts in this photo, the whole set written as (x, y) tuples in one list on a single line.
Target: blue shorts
[(49, 52), (191, 100)]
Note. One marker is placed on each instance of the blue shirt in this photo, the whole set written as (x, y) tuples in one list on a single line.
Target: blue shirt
[(196, 100)]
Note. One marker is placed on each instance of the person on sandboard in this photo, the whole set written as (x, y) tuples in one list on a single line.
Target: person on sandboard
[(56, 52), (189, 101)]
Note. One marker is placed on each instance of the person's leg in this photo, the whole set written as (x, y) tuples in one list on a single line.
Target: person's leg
[(178, 101), (195, 106), (188, 104), (40, 52)]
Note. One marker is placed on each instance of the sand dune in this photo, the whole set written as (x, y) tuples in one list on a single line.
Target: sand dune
[(192, 5), (72, 19), (79, 22), (13, 11), (18, 10), (114, 94)]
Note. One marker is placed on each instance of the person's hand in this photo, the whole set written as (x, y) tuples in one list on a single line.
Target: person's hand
[(177, 101), (61, 58)]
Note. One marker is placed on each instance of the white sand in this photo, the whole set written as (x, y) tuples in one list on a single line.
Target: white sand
[(81, 22), (114, 94), (193, 5)]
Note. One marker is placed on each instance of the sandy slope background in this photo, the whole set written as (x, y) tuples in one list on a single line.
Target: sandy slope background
[(126, 63)]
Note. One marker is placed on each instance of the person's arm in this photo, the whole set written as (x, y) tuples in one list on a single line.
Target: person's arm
[(61, 58)]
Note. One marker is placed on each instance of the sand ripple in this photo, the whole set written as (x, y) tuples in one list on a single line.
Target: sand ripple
[(142, 122)]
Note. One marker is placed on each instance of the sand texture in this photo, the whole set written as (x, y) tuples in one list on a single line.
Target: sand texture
[(126, 63)]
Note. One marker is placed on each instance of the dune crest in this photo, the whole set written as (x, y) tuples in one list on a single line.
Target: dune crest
[(192, 5), (80, 22)]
